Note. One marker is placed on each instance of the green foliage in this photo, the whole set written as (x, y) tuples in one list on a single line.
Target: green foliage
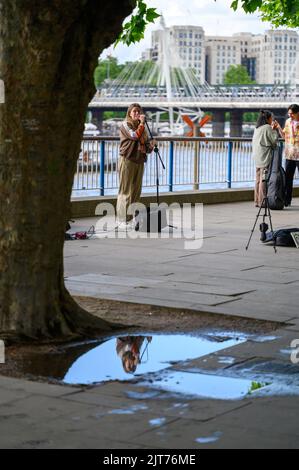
[(133, 30), (256, 386), (114, 115), (277, 12), (249, 6), (106, 69), (237, 75), (250, 117)]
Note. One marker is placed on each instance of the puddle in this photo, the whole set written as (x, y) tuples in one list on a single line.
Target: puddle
[(149, 361), (226, 360), (201, 385), (123, 358), (264, 339), (128, 411), (287, 351), (209, 439), (152, 354), (157, 421), (142, 395)]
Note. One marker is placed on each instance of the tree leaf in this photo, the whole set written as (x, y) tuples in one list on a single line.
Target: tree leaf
[(133, 30), (151, 15)]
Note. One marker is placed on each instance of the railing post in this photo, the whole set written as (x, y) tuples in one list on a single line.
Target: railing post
[(196, 133), (229, 164), (102, 168), (170, 176)]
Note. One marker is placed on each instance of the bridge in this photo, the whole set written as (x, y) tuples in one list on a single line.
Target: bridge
[(219, 99), (245, 97)]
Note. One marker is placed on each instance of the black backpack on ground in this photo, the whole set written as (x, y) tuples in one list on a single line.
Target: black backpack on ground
[(281, 237), (276, 181)]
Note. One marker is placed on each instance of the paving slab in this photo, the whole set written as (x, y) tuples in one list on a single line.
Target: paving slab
[(245, 427)]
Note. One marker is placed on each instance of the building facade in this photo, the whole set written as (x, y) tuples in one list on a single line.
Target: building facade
[(220, 52), (185, 48), (270, 58), (275, 53)]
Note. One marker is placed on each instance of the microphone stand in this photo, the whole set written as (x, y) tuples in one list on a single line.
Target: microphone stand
[(157, 153)]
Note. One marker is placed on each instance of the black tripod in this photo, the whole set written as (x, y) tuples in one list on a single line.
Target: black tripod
[(264, 226)]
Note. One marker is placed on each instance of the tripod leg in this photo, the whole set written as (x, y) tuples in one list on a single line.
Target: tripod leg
[(270, 221), (256, 219)]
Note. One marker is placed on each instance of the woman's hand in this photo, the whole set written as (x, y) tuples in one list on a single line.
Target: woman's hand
[(142, 118), (153, 144), (277, 126)]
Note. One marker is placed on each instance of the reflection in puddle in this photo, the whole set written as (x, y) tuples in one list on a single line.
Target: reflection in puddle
[(116, 358), (202, 385)]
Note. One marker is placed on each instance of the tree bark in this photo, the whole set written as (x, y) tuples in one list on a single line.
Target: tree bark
[(48, 52)]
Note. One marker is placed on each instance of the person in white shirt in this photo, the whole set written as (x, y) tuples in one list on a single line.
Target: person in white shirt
[(291, 135)]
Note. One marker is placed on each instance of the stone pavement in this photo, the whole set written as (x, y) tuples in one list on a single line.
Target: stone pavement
[(220, 277)]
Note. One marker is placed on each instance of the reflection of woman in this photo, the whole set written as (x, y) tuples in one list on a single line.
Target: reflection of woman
[(264, 140), (134, 145), (128, 349)]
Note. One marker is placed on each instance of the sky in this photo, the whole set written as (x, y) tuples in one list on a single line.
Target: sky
[(216, 18)]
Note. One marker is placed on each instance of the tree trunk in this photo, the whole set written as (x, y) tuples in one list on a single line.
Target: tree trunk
[(48, 52)]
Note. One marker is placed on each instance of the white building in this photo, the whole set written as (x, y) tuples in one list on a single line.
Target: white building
[(221, 52), (186, 48), (275, 53)]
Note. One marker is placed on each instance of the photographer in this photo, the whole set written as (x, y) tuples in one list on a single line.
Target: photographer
[(134, 145), (264, 140)]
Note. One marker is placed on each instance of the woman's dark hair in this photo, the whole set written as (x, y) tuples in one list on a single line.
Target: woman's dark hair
[(294, 108), (263, 118)]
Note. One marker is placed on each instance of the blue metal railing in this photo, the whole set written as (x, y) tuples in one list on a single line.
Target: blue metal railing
[(229, 164), (223, 163), (170, 175), (102, 168)]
